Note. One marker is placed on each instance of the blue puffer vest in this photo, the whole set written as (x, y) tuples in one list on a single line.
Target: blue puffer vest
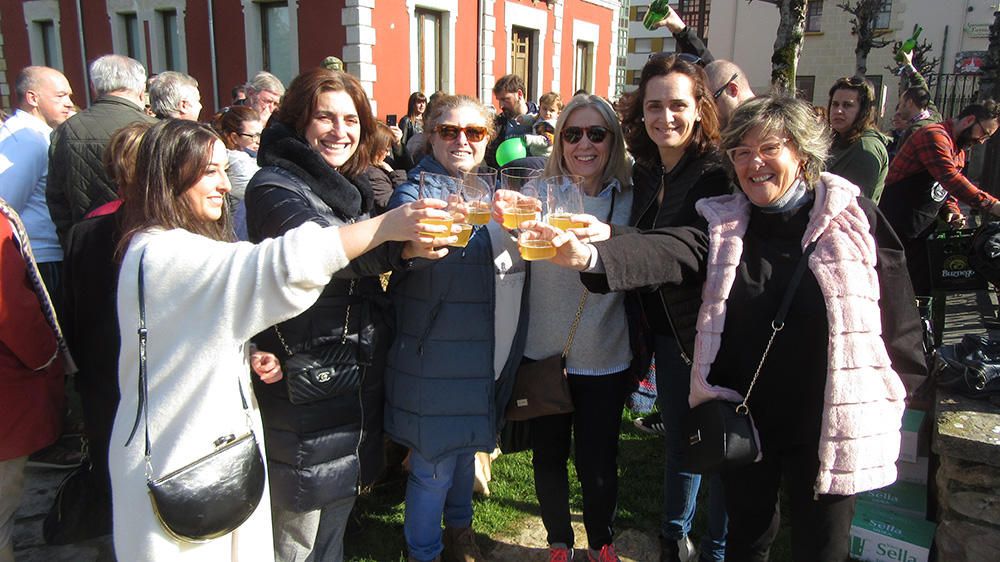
[(441, 396)]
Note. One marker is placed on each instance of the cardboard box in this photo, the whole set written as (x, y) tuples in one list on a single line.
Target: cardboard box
[(881, 536), (905, 498), (915, 472), (913, 437)]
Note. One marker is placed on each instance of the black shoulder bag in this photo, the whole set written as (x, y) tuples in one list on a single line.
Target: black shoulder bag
[(721, 434), (211, 496)]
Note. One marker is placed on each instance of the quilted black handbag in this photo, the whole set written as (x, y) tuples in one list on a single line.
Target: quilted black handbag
[(324, 371), (213, 495)]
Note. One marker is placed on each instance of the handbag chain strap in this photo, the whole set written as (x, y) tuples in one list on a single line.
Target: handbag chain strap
[(778, 323), (343, 336), (142, 410)]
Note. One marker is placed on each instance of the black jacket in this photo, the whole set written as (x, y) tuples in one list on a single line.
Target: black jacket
[(666, 309), (77, 180), (326, 450)]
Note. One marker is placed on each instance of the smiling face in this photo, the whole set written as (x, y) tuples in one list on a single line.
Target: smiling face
[(459, 155), (670, 112), (773, 166), (844, 109), (586, 158), (334, 128), (207, 196)]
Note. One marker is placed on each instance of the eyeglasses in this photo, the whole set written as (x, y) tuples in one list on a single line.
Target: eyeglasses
[(474, 133), (596, 135), (983, 137), (722, 88), (767, 150), (252, 136)]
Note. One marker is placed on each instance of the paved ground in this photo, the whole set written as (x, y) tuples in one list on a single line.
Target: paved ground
[(964, 315)]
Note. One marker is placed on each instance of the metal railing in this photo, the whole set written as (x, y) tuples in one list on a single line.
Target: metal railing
[(952, 92)]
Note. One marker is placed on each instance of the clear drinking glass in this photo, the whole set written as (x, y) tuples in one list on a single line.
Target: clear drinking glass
[(478, 196), (447, 189), (525, 182), (563, 199)]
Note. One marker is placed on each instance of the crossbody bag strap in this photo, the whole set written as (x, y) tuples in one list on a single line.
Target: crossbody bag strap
[(142, 409), (778, 323), (343, 336)]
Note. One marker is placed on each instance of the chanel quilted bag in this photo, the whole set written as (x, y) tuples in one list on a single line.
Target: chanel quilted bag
[(213, 495)]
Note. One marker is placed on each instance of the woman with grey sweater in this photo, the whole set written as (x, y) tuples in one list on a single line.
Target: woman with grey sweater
[(589, 143)]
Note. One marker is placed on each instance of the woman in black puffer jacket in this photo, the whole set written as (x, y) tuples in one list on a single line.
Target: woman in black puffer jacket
[(321, 453)]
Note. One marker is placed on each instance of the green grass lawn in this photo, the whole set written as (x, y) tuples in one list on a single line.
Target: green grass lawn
[(377, 532)]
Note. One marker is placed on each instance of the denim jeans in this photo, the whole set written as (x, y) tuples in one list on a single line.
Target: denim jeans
[(680, 489), (436, 489)]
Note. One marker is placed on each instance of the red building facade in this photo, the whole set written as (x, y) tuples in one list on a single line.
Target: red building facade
[(394, 48)]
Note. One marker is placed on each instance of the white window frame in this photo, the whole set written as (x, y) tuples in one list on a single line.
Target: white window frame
[(146, 15), (119, 41), (587, 32), (647, 41), (449, 18), (255, 41), (36, 12), (531, 18)]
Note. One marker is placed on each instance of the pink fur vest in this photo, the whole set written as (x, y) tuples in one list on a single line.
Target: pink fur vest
[(863, 401)]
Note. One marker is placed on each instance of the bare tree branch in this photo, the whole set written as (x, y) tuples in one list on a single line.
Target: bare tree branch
[(865, 14)]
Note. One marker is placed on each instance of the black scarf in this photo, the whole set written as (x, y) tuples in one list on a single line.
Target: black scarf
[(283, 148)]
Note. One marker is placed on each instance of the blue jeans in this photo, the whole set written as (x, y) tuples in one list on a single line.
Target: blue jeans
[(680, 489), (436, 489)]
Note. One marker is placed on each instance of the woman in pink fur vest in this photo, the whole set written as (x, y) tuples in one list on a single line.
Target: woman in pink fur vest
[(829, 398)]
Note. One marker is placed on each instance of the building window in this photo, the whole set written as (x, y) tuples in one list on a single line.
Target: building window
[(695, 14), (276, 45), (814, 15), (639, 12), (430, 51), (171, 39), (584, 65), (884, 14), (130, 23), (805, 88), (643, 45), (51, 51)]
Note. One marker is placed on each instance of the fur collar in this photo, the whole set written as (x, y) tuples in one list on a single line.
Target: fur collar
[(281, 147)]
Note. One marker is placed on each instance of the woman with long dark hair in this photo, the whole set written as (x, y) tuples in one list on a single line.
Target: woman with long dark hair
[(413, 122), (858, 153), (204, 298)]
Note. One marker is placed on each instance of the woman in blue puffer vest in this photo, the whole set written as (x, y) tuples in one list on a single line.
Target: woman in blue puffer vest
[(451, 368)]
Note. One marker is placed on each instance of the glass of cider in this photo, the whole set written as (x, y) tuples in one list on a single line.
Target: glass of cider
[(563, 199), (447, 189)]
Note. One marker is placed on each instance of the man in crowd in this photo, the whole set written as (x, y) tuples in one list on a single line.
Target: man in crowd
[(264, 93), (43, 102), (515, 110), (175, 95), (926, 179), (77, 179), (729, 87)]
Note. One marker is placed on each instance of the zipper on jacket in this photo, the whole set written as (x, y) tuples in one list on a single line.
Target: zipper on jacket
[(673, 328), (361, 433)]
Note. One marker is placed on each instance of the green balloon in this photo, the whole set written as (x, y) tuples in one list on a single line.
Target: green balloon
[(510, 150)]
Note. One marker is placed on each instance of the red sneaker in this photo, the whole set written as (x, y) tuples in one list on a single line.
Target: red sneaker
[(607, 554), (560, 554)]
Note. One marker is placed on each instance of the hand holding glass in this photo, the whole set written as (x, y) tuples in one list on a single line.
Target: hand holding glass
[(449, 190)]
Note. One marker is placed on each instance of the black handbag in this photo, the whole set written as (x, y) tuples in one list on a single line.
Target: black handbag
[(324, 371), (213, 495), (541, 387), (721, 434)]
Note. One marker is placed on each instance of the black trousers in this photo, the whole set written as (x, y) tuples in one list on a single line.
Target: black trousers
[(598, 401), (820, 527)]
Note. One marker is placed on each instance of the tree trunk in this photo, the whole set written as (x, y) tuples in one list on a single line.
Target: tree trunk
[(788, 44)]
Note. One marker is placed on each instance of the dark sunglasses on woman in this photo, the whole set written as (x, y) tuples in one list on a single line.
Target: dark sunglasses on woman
[(472, 132), (596, 135)]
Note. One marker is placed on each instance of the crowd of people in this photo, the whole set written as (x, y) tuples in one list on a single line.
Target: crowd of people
[(250, 256)]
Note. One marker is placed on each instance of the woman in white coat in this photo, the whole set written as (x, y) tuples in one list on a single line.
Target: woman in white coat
[(205, 296)]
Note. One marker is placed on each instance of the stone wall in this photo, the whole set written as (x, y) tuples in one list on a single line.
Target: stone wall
[(967, 441), (4, 86)]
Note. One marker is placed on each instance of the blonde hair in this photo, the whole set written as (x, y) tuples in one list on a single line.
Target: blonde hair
[(618, 165)]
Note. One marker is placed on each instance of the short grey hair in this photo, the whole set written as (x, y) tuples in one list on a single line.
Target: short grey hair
[(618, 166), (167, 91), (783, 115), (265, 81), (111, 73), (30, 78)]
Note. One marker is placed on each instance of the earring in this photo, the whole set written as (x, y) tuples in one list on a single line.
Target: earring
[(642, 119)]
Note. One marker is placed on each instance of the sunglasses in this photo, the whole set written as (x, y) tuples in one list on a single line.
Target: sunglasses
[(472, 132), (596, 135), (717, 93), (686, 57)]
